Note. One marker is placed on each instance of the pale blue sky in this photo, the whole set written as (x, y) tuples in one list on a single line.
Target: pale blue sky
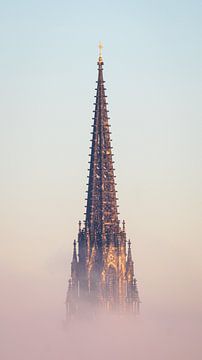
[(152, 55)]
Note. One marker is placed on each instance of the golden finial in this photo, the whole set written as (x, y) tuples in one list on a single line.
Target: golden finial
[(100, 51)]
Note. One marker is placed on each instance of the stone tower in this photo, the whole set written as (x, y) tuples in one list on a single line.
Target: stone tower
[(102, 274)]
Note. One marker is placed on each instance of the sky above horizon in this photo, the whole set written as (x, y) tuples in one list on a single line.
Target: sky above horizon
[(48, 71)]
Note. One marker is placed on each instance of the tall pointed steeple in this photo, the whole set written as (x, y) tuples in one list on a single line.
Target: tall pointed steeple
[(101, 213), (103, 273)]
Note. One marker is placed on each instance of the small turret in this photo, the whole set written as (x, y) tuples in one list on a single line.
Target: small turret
[(79, 226), (130, 280), (74, 259), (124, 226), (70, 286), (74, 270), (136, 299), (129, 263)]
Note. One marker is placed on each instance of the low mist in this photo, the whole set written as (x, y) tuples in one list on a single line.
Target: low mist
[(33, 327)]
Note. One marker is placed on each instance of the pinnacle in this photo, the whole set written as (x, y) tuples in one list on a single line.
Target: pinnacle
[(101, 186)]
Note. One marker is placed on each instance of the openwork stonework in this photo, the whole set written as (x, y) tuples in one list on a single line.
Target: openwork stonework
[(102, 273)]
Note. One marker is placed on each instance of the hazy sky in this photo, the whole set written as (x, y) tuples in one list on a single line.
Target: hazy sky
[(48, 70)]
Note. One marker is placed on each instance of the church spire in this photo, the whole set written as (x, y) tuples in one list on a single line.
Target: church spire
[(101, 213), (102, 274)]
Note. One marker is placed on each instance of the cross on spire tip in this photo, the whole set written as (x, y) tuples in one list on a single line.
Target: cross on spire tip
[(100, 59)]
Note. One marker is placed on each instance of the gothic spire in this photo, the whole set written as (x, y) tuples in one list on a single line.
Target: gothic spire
[(129, 252), (74, 259), (101, 212), (102, 273), (74, 265), (129, 263)]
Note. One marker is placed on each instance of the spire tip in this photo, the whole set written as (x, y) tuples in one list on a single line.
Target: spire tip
[(100, 60)]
